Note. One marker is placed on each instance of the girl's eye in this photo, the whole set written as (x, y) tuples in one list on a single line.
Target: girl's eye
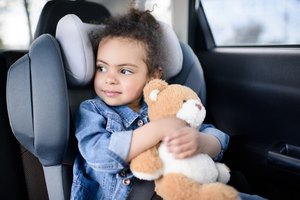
[(101, 69), (126, 71)]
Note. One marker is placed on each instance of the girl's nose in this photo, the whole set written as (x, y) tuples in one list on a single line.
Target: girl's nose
[(110, 79)]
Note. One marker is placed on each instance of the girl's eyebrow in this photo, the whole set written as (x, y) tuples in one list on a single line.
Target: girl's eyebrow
[(119, 65), (101, 61), (127, 64)]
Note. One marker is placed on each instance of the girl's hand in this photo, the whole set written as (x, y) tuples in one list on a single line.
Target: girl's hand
[(183, 143), (152, 133), (169, 125), (187, 141)]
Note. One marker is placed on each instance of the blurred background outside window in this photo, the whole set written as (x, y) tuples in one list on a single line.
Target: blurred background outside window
[(18, 20), (253, 22)]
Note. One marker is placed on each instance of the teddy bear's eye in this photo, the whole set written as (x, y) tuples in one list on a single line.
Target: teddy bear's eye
[(184, 101)]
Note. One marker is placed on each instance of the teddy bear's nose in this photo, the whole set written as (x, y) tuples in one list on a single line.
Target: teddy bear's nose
[(199, 106)]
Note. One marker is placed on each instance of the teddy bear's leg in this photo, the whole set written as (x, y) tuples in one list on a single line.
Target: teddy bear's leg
[(178, 187), (224, 173), (219, 191), (147, 165)]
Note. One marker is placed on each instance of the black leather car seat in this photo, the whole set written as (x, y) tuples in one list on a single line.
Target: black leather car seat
[(45, 87)]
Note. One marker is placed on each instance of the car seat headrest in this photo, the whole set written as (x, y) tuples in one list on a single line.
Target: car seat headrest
[(53, 11), (78, 54)]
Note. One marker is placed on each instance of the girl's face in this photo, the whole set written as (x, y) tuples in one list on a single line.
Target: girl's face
[(121, 72)]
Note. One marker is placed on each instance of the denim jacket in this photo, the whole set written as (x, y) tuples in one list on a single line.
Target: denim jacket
[(104, 137)]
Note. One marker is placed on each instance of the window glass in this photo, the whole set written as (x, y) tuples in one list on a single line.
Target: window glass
[(253, 22), (18, 20)]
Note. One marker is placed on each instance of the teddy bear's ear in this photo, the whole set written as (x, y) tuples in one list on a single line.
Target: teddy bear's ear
[(152, 89), (153, 95)]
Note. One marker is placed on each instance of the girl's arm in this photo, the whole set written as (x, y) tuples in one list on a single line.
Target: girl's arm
[(189, 141), (152, 133), (221, 136)]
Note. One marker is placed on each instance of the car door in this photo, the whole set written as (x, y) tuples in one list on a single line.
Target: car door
[(253, 87)]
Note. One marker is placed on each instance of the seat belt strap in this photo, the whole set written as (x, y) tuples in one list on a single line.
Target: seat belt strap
[(141, 190)]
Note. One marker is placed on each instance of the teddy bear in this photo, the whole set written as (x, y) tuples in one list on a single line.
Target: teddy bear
[(196, 177)]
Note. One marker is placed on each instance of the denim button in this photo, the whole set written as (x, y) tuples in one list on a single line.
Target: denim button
[(126, 181), (122, 173), (140, 123)]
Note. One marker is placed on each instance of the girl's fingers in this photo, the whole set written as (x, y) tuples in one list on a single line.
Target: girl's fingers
[(184, 154), (183, 150)]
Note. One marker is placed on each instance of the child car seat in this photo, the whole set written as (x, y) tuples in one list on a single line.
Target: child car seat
[(24, 174), (46, 85)]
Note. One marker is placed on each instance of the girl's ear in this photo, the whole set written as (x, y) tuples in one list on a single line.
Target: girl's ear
[(157, 74)]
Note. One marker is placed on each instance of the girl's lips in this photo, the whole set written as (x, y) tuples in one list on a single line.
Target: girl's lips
[(111, 93)]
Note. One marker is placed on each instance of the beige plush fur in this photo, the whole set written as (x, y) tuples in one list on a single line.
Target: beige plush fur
[(166, 100), (178, 187)]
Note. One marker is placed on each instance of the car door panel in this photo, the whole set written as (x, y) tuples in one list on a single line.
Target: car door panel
[(253, 94)]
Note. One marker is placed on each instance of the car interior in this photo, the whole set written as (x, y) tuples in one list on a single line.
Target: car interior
[(251, 93)]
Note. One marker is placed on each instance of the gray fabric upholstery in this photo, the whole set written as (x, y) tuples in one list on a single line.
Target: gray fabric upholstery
[(79, 59), (191, 73), (53, 11), (37, 101)]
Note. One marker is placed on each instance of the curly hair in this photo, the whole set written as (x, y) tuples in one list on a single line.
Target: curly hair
[(140, 26)]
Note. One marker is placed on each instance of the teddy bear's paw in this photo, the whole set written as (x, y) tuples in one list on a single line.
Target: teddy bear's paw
[(148, 176), (224, 173)]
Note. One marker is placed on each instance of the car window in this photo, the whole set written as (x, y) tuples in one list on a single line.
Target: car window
[(253, 22), (18, 20)]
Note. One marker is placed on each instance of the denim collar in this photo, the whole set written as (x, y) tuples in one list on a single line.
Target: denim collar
[(128, 115)]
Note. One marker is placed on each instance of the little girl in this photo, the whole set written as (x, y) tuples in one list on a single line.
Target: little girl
[(113, 128)]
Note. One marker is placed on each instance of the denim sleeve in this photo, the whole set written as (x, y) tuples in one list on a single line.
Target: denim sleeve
[(221, 136), (100, 148)]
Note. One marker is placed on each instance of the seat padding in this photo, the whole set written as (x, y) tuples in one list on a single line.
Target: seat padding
[(53, 11), (191, 73), (77, 49), (37, 101)]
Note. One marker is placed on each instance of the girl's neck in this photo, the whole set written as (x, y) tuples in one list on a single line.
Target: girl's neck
[(136, 105)]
